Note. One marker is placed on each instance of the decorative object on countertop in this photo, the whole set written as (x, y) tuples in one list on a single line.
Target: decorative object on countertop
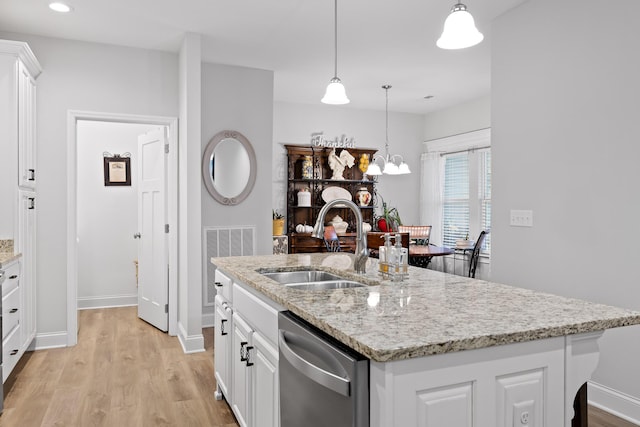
[(363, 196), (390, 218), (366, 227), (307, 167), (278, 223), (339, 224), (117, 169), (304, 197), (363, 164), (338, 163)]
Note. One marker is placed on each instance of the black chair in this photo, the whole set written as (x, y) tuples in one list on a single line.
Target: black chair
[(331, 241), (475, 254)]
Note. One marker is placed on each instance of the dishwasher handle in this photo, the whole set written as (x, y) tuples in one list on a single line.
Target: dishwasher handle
[(334, 382)]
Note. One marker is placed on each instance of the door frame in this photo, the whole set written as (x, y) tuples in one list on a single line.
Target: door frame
[(171, 123)]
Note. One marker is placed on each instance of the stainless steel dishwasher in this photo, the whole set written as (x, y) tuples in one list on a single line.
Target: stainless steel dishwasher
[(322, 382)]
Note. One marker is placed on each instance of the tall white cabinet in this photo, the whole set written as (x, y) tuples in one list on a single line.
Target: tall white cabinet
[(19, 70)]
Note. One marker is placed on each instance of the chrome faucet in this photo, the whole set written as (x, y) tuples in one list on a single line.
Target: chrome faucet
[(362, 253)]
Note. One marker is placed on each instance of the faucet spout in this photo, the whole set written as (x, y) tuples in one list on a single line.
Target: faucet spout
[(362, 253)]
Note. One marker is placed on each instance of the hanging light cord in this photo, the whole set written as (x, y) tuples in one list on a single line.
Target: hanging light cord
[(335, 38), (386, 124)]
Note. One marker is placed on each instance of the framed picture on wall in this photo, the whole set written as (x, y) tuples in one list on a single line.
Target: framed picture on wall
[(117, 171)]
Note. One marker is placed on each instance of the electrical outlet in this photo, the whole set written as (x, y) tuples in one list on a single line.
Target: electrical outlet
[(523, 414), (521, 218)]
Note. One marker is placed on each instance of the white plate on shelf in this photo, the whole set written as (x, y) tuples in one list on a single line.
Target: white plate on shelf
[(332, 193)]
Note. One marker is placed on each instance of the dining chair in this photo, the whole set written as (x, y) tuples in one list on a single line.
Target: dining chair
[(331, 240), (475, 254), (419, 233)]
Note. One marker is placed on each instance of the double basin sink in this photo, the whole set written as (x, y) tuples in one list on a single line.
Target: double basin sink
[(311, 280)]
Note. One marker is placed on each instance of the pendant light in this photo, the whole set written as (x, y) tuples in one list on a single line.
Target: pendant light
[(459, 30), (390, 163), (335, 93)]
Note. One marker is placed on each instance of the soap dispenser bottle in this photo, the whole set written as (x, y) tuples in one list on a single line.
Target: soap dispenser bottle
[(384, 253), (400, 259)]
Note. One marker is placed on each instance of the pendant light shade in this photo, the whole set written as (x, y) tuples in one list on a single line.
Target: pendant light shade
[(335, 94), (392, 164), (459, 30)]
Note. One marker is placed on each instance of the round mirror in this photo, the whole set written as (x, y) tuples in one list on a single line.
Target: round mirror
[(229, 167)]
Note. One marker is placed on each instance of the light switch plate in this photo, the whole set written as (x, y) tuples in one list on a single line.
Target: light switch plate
[(521, 218)]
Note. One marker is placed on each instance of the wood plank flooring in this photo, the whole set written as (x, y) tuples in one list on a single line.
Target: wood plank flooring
[(123, 372)]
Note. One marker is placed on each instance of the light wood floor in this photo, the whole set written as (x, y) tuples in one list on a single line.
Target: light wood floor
[(123, 372)]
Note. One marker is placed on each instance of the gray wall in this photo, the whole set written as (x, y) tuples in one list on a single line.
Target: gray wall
[(89, 77), (466, 117), (564, 114), (294, 123)]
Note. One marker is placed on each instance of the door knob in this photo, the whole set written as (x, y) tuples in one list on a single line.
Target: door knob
[(137, 236)]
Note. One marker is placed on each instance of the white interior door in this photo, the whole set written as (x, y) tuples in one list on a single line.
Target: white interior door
[(153, 278)]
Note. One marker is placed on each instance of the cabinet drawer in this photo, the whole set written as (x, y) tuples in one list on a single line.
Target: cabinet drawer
[(12, 278), (223, 285), (260, 313), (10, 352), (10, 312)]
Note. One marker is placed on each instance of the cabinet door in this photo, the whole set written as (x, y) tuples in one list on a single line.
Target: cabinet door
[(222, 345), (26, 128), (265, 384), (27, 246), (241, 376)]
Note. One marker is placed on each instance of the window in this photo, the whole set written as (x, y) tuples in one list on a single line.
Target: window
[(465, 213), (456, 187)]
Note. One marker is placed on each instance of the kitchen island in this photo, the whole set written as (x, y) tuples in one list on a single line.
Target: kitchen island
[(445, 349)]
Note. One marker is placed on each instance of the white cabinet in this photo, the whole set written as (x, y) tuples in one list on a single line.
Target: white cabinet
[(222, 350), (26, 245), (246, 353), (11, 313), (504, 386), (26, 128)]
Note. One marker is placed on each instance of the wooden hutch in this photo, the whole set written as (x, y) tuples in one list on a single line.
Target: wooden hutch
[(308, 168)]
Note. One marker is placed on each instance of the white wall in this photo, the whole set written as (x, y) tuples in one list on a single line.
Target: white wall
[(565, 93), (240, 99), (294, 124), (107, 216), (88, 77), (466, 117)]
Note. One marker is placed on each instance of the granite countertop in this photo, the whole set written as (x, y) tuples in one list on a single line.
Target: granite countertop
[(428, 313), (6, 258)]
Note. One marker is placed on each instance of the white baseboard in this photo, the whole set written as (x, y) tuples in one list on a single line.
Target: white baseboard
[(49, 340), (107, 301), (208, 320), (619, 404), (190, 343)]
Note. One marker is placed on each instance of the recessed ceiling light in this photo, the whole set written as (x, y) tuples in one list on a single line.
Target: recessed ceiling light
[(60, 7)]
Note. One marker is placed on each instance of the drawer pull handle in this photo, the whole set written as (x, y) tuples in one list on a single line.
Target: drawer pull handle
[(249, 362), (222, 331), (13, 310), (33, 174), (243, 353), (218, 284), (13, 277), (13, 352)]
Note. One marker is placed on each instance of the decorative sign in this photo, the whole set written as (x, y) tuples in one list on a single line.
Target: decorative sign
[(117, 169), (318, 140)]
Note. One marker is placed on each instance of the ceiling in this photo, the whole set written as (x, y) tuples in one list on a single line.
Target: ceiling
[(379, 42)]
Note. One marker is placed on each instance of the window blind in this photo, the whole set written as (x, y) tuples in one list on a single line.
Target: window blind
[(455, 198)]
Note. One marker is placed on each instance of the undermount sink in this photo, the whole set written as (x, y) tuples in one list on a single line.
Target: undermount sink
[(311, 280)]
